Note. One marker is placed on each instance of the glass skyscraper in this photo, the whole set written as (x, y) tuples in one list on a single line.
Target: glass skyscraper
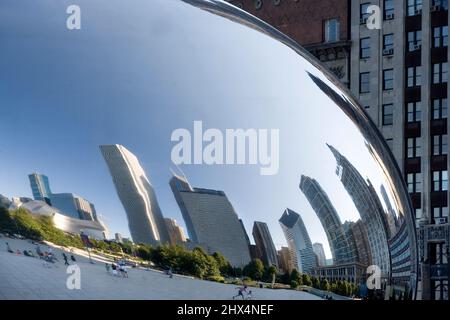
[(299, 242), (40, 187)]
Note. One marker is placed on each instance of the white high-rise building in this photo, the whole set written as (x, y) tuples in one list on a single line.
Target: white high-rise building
[(138, 198), (299, 242)]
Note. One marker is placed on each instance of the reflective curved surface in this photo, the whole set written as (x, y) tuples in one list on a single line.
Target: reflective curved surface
[(197, 112)]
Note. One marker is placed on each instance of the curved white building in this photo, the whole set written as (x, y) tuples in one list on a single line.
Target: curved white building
[(67, 224), (145, 220)]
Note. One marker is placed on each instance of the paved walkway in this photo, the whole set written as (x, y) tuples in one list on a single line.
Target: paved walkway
[(27, 278)]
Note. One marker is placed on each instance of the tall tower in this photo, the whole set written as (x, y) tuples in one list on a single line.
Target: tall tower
[(40, 186), (264, 244), (211, 221), (369, 207), (297, 237), (341, 247), (138, 198), (320, 253)]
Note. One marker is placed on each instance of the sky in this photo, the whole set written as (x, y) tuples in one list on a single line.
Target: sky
[(132, 75)]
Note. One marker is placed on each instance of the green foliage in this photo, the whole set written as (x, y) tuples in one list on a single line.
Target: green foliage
[(296, 276), (294, 284), (225, 267), (306, 280), (315, 282), (254, 270), (36, 228), (324, 285)]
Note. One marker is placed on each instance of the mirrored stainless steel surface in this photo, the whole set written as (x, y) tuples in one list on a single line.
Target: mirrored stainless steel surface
[(197, 111)]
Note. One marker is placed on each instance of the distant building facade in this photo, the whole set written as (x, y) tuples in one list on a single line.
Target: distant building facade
[(211, 221), (40, 187), (285, 261), (145, 219), (176, 233), (320, 254), (264, 244), (299, 242), (342, 248)]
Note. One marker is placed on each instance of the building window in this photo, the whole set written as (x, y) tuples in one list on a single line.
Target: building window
[(388, 114), (364, 51), (364, 82), (414, 182), (440, 108), (440, 180), (442, 4), (332, 30), (363, 12), (414, 40), (440, 72), (414, 146), (414, 76), (440, 146), (414, 111), (440, 37), (414, 7), (388, 79), (388, 9), (440, 212), (388, 42)]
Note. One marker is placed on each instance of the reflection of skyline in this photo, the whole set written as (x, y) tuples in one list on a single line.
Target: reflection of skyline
[(341, 248), (299, 242), (145, 219), (368, 206), (213, 222)]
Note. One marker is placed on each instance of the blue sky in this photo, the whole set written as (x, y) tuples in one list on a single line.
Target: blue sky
[(131, 76)]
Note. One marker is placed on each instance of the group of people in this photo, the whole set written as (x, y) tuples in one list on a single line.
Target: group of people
[(47, 256), (117, 269), (66, 262)]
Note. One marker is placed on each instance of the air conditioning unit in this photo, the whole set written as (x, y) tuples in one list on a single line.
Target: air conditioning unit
[(418, 12), (435, 8), (390, 16), (363, 20), (388, 52), (441, 220)]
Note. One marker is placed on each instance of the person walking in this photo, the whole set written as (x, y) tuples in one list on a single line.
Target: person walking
[(66, 263), (241, 291), (8, 248)]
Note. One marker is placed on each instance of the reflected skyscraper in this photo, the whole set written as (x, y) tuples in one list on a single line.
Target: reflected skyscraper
[(299, 242), (369, 207), (138, 198), (264, 244), (342, 249), (40, 187), (320, 254), (176, 233), (211, 221)]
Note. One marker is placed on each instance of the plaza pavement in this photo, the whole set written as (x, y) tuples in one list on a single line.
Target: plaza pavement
[(26, 278)]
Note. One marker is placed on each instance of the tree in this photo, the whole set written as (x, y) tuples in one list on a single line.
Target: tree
[(324, 284), (223, 264), (254, 270), (272, 271), (295, 276), (306, 280)]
